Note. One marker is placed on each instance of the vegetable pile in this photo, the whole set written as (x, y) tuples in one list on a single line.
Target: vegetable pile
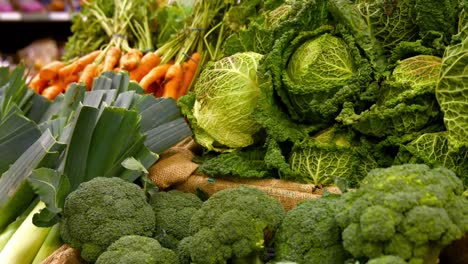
[(362, 94), (53, 147), (338, 87)]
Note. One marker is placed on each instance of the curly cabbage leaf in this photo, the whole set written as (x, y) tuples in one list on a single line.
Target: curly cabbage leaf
[(226, 94), (401, 28), (274, 19), (452, 93), (390, 21), (328, 155), (406, 102), (433, 149)]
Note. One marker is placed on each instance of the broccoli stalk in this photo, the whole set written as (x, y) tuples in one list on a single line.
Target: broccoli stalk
[(26, 241)]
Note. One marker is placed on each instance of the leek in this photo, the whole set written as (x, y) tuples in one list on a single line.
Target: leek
[(51, 243), (11, 228), (26, 242)]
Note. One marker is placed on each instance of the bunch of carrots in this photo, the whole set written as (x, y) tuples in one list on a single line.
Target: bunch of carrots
[(154, 74)]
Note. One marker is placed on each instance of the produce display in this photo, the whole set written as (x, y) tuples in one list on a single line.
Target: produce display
[(363, 97)]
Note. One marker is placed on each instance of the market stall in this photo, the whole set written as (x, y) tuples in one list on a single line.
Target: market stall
[(206, 132)]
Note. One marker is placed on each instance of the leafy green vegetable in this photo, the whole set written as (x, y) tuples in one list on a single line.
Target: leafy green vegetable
[(330, 155), (245, 163), (315, 93), (226, 94), (451, 93), (15, 193), (406, 101), (434, 150)]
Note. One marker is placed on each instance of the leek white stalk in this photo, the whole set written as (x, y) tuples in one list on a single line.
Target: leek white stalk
[(26, 242), (51, 243)]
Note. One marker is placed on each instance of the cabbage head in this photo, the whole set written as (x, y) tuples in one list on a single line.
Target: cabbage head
[(321, 62), (316, 71), (226, 94), (406, 102)]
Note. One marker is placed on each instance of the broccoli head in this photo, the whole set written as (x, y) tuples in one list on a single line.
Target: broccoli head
[(310, 234), (173, 211), (101, 211), (235, 224), (137, 250), (409, 211)]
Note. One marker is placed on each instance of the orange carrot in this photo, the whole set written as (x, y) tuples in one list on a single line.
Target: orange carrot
[(52, 91), (155, 75), (78, 65), (112, 58), (173, 81), (88, 74), (189, 67), (50, 71), (38, 84), (71, 78), (130, 60), (148, 62)]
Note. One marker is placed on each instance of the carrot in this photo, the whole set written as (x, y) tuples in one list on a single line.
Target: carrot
[(155, 75), (173, 81), (50, 71), (130, 60), (70, 79), (148, 62), (78, 65), (38, 84), (112, 58), (52, 91), (190, 68), (88, 74)]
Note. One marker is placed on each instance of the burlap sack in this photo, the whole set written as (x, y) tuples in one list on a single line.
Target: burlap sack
[(64, 255), (176, 170), (175, 165)]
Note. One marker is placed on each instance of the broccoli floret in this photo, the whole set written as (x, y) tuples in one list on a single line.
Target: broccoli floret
[(310, 234), (183, 250), (409, 211), (234, 225), (101, 211), (137, 250), (387, 260), (173, 211)]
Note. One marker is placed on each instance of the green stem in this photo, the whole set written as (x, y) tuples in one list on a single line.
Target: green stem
[(26, 242), (51, 243), (11, 228)]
